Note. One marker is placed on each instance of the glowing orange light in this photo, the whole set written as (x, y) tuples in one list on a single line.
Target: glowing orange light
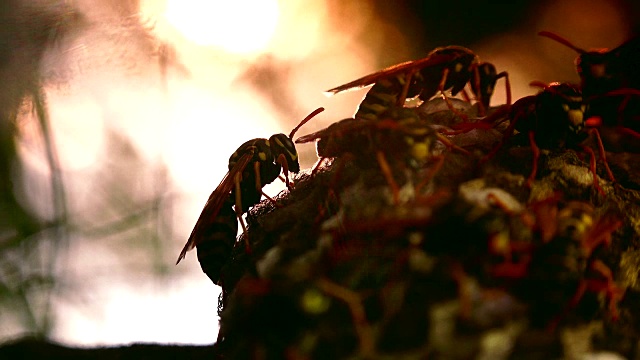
[(239, 26)]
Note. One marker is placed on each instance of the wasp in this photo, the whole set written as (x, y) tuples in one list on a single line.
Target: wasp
[(552, 119), (444, 68), (603, 72), (557, 267), (574, 233), (254, 164), (402, 134)]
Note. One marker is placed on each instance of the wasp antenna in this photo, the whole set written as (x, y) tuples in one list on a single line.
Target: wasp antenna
[(561, 40), (305, 120)]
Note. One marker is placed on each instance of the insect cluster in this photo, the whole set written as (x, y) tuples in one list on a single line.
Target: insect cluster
[(448, 230)]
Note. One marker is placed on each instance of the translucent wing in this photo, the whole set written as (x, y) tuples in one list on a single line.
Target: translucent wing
[(341, 127), (430, 60), (215, 202)]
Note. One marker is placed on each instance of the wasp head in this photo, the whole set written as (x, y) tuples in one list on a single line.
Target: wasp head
[(575, 219), (281, 144), (566, 98), (591, 65), (487, 76)]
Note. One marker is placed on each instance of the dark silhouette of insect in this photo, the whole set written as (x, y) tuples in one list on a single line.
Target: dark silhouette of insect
[(552, 119), (563, 268), (603, 71), (399, 133), (254, 164), (359, 140), (450, 67)]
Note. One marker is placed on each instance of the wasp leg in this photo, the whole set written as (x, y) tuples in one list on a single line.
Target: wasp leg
[(600, 235), (405, 88), (608, 286), (507, 85), (488, 122), (443, 81), (464, 128), (546, 214), (621, 107), (465, 95), (282, 160), (536, 156), (476, 84), (238, 179), (582, 288), (316, 168), (388, 174), (508, 132), (443, 139), (628, 131), (602, 153), (432, 172), (592, 168), (256, 170), (354, 302), (271, 200)]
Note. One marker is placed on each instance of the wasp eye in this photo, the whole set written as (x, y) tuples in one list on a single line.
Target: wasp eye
[(565, 107)]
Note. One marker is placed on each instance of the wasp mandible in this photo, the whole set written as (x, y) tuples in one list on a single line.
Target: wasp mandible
[(254, 164)]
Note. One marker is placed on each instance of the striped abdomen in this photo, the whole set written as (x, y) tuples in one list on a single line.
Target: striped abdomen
[(384, 95), (215, 247)]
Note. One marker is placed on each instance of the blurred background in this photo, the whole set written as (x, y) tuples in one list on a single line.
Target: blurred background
[(117, 119)]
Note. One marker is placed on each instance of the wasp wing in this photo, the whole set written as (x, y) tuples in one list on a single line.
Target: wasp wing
[(626, 58), (215, 202), (341, 127), (311, 137), (629, 49), (431, 60)]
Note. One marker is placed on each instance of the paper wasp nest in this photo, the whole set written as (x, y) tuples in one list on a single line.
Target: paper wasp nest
[(463, 261)]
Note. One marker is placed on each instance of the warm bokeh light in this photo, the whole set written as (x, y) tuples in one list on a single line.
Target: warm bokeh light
[(239, 26), (243, 69), (189, 117)]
